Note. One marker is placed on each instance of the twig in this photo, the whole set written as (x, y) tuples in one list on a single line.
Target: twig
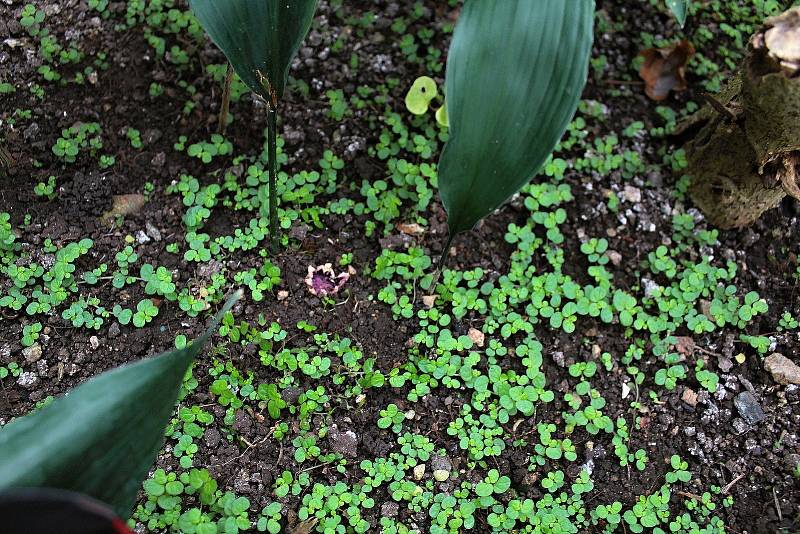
[(622, 82), (729, 485), (307, 469), (690, 495), (718, 106), (249, 446), (709, 352), (777, 504)]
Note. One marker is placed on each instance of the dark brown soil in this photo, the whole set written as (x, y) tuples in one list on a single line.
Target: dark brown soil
[(767, 498)]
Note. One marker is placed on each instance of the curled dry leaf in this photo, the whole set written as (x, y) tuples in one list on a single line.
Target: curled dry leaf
[(412, 229), (684, 345), (782, 41), (429, 301), (124, 205), (476, 336), (323, 280), (664, 69)]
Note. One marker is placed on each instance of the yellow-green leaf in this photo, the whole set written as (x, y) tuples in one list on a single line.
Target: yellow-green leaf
[(419, 97)]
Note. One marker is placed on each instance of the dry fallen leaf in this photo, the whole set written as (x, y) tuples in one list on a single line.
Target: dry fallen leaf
[(684, 345), (689, 397), (305, 527), (783, 40), (664, 69), (476, 336), (124, 205), (411, 229)]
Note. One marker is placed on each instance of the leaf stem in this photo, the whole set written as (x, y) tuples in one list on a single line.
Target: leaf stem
[(443, 259), (272, 140), (226, 101)]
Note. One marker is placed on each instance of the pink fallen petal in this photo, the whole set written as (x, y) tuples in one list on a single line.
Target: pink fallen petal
[(323, 281)]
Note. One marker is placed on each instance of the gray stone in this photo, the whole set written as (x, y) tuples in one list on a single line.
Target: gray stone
[(632, 194), (345, 443), (152, 231), (242, 423), (212, 437), (389, 509), (114, 330), (158, 160), (441, 462), (739, 426), (28, 380), (142, 237), (151, 135), (291, 394), (783, 370), (33, 353), (748, 408)]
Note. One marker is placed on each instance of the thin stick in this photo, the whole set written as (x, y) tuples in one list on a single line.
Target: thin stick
[(690, 495), (272, 127), (718, 106), (226, 101), (729, 485), (777, 504)]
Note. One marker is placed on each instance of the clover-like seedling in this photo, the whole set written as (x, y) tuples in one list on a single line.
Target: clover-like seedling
[(392, 417), (145, 312), (493, 483), (30, 334), (419, 97), (270, 520), (680, 470), (158, 281)]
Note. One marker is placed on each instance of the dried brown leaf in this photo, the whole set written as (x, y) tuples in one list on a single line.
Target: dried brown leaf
[(684, 345), (664, 69), (124, 205), (412, 229)]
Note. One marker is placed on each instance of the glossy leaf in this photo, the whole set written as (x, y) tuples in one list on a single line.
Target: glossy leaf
[(419, 97), (679, 9), (259, 37), (102, 438), (49, 511), (515, 72)]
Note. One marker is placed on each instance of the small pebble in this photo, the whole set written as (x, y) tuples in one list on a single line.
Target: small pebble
[(748, 408)]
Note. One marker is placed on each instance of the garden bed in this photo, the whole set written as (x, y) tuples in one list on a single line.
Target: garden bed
[(381, 377)]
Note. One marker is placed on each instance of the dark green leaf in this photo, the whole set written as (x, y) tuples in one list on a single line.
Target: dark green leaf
[(515, 72), (102, 438), (678, 8), (259, 37)]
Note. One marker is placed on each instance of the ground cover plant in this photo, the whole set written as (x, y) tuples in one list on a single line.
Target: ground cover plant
[(594, 357)]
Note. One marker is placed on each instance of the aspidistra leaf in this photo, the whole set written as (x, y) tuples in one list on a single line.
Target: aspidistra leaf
[(515, 73), (259, 37), (102, 438), (679, 9)]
